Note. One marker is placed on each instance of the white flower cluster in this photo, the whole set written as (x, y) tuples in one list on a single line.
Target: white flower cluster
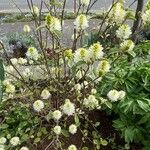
[(53, 23), (103, 67), (26, 28), (77, 87), (81, 22), (91, 102), (127, 46), (9, 69), (26, 73), (95, 52), (32, 53), (68, 108), (73, 129), (57, 130), (35, 10), (123, 32), (145, 17), (3, 141), (38, 105), (57, 115), (117, 14), (15, 141), (45, 94), (24, 148), (81, 55), (115, 95), (72, 147), (9, 87), (14, 61), (85, 2), (22, 61)]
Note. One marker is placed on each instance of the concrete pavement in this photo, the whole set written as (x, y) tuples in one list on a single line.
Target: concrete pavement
[(8, 6)]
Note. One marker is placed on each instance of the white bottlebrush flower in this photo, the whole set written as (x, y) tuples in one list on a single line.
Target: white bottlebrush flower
[(22, 61), (79, 74), (68, 108), (57, 24), (35, 10), (85, 2), (113, 95), (95, 51), (117, 14), (32, 53), (122, 94), (3, 140), (31, 62), (9, 69), (26, 28), (10, 88), (72, 147), (77, 87), (57, 130), (85, 83), (123, 32), (81, 22), (73, 129), (103, 67), (68, 54), (24, 148), (14, 61), (26, 73), (145, 17), (2, 147), (45, 94), (91, 102), (93, 91), (81, 54), (57, 115), (15, 141), (53, 23), (6, 82), (38, 105), (127, 46)]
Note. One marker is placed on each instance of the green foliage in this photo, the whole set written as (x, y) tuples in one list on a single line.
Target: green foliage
[(18, 121), (132, 76), (27, 39)]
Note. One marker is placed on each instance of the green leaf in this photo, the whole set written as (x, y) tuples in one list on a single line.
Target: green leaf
[(65, 133), (132, 53), (104, 142), (129, 134), (143, 105), (25, 137), (108, 104), (37, 140), (76, 119), (85, 148)]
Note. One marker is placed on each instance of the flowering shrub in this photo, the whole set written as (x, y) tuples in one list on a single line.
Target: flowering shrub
[(51, 97)]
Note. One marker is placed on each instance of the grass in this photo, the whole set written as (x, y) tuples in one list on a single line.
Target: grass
[(26, 17)]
